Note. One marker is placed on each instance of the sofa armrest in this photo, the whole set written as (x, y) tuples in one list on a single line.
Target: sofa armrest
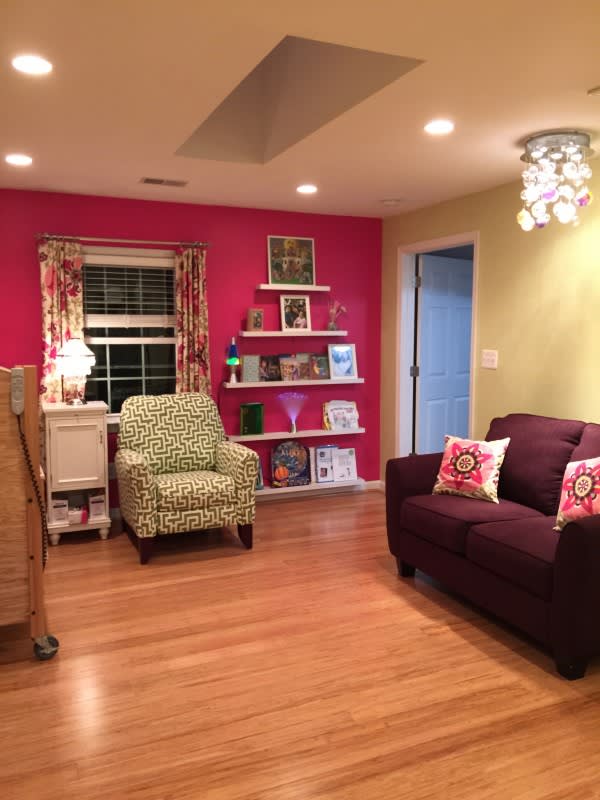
[(241, 464), (576, 598), (405, 477), (137, 492)]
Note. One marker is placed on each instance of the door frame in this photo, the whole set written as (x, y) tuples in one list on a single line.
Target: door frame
[(405, 330)]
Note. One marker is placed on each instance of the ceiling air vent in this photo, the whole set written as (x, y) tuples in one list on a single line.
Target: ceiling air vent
[(163, 182)]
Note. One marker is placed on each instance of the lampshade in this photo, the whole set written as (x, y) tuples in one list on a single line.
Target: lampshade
[(233, 357), (556, 178), (74, 359)]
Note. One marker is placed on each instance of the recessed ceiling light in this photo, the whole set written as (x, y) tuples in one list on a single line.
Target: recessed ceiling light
[(392, 201), (19, 160), (306, 188), (439, 127), (32, 65)]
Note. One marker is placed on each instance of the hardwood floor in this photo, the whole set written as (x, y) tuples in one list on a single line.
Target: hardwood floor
[(303, 669)]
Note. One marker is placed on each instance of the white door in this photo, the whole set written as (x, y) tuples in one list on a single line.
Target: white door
[(444, 351), (77, 453)]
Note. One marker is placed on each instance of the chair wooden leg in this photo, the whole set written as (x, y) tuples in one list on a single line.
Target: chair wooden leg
[(245, 534), (145, 547)]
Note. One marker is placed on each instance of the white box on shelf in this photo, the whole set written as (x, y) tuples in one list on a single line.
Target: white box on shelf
[(97, 506), (344, 464), (324, 463), (59, 510), (78, 515)]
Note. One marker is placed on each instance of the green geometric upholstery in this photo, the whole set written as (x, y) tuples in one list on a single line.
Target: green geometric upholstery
[(176, 471)]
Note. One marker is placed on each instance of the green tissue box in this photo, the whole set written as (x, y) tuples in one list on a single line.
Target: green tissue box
[(251, 418)]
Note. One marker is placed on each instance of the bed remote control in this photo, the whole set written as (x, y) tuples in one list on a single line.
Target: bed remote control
[(17, 390)]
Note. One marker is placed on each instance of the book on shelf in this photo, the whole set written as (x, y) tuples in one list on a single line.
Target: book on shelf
[(303, 360), (318, 367), (344, 464), (340, 415), (324, 463), (289, 368), (251, 418), (269, 369), (290, 465), (250, 369)]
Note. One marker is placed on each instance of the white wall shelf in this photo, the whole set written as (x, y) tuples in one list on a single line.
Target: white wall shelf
[(291, 287), (288, 334), (269, 493), (305, 434), (291, 384)]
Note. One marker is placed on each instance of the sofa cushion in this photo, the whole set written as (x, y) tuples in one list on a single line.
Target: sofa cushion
[(580, 496), (521, 551), (540, 449), (470, 468), (589, 444), (445, 519), (186, 491)]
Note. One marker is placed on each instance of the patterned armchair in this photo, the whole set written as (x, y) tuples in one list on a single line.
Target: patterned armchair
[(177, 472)]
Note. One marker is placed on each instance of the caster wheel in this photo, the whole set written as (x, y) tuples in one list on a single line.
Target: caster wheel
[(45, 648)]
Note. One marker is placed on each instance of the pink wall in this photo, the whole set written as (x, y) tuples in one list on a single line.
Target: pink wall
[(347, 257)]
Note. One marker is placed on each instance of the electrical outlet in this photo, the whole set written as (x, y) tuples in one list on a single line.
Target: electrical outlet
[(489, 359)]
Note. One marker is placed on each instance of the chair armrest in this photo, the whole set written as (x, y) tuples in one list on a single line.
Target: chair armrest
[(405, 477), (241, 464), (137, 492), (576, 598)]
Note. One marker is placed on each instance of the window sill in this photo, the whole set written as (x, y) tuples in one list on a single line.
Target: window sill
[(112, 422)]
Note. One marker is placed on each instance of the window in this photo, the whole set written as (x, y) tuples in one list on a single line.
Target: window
[(129, 322)]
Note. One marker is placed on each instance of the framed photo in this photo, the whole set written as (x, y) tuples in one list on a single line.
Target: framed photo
[(291, 260), (342, 361), (295, 312), (255, 319)]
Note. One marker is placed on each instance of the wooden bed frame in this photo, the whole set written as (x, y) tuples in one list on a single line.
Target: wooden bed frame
[(21, 545)]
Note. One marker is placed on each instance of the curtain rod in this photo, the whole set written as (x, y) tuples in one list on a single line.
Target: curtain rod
[(116, 240)]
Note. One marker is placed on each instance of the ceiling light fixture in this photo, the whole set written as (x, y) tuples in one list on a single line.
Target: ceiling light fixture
[(555, 179), (306, 188), (31, 65), (19, 160), (439, 127)]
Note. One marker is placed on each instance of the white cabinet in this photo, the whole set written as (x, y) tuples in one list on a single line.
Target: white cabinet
[(76, 467)]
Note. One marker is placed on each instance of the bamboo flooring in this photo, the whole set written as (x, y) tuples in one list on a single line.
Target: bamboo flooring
[(304, 669)]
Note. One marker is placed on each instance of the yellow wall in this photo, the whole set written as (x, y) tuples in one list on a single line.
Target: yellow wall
[(537, 303)]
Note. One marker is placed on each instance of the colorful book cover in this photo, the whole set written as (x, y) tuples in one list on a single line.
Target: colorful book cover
[(269, 368), (289, 368), (318, 367), (303, 360), (340, 415), (290, 465), (344, 464)]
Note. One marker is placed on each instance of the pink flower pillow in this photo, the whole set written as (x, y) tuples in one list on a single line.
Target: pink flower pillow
[(580, 496), (470, 468)]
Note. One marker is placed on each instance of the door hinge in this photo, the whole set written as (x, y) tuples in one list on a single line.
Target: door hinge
[(417, 282), (414, 371)]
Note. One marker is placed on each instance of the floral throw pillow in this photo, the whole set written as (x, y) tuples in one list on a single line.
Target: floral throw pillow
[(471, 468), (580, 496)]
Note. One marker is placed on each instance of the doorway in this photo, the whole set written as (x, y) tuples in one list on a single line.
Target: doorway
[(436, 344)]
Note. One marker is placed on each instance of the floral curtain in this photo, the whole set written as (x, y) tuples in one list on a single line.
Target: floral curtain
[(62, 307), (193, 365)]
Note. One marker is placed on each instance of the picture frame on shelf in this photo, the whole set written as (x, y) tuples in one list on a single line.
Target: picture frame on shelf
[(342, 361), (255, 319), (291, 260), (269, 369), (295, 312), (319, 367)]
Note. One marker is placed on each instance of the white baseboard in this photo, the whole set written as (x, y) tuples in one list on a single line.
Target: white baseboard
[(375, 486)]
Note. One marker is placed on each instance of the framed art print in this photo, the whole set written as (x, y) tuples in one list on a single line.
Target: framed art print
[(295, 312), (291, 260), (342, 361)]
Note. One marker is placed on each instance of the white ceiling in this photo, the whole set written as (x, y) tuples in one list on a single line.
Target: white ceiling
[(133, 79)]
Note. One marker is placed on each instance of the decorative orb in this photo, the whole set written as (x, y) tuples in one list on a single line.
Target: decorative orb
[(525, 220), (583, 197), (567, 191), (550, 194), (538, 209), (570, 170), (532, 194)]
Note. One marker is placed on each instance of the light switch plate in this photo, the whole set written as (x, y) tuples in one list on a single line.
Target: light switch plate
[(489, 359)]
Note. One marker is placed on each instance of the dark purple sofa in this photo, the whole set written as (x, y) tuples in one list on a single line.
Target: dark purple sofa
[(506, 557)]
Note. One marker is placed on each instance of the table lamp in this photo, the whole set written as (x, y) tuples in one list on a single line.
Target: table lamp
[(74, 361)]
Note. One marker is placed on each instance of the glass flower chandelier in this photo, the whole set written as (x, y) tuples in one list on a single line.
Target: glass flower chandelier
[(555, 180)]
